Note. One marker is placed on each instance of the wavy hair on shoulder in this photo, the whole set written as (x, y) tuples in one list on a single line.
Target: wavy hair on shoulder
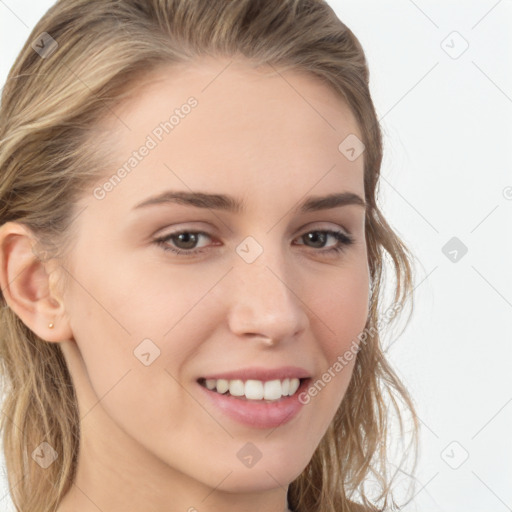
[(49, 113)]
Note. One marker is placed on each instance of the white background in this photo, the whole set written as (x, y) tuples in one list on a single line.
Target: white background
[(448, 130)]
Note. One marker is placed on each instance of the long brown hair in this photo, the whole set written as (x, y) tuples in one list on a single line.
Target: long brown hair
[(90, 55)]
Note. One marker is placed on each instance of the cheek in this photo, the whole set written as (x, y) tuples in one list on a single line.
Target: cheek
[(344, 308), (132, 401), (114, 381), (155, 297), (135, 329), (341, 307)]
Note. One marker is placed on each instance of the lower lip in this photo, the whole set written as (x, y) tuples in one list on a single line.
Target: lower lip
[(256, 413)]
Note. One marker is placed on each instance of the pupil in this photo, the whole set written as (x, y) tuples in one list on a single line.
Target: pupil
[(188, 237), (316, 235)]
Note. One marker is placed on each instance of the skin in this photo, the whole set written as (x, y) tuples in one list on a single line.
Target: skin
[(149, 439)]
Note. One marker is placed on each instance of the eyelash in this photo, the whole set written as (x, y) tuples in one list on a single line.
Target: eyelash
[(344, 241)]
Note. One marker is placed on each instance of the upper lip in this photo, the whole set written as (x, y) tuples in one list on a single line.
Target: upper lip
[(263, 374)]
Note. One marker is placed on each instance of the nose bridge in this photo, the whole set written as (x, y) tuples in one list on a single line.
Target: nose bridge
[(263, 298)]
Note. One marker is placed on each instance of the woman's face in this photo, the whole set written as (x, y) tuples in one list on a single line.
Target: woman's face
[(256, 288)]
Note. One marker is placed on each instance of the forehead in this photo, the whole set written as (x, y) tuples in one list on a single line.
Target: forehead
[(233, 93), (247, 126)]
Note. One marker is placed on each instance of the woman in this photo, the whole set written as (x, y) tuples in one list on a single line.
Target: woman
[(191, 259)]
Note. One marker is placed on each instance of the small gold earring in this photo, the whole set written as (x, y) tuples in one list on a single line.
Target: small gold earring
[(50, 325)]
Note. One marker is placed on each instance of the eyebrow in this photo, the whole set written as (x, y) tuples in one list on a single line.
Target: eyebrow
[(230, 204)]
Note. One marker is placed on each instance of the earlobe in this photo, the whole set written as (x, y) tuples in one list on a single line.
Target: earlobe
[(26, 284)]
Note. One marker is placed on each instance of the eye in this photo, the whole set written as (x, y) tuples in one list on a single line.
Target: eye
[(188, 239), (343, 240), (184, 242)]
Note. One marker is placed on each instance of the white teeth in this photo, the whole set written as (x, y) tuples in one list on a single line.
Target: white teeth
[(285, 385), (272, 390), (294, 385), (222, 385), (255, 389), (236, 387), (210, 383)]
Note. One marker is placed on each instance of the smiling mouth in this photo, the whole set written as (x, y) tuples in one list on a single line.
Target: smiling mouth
[(255, 390)]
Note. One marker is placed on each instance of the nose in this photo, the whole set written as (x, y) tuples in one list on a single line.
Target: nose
[(264, 303)]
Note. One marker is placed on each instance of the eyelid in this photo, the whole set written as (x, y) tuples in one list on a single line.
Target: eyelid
[(182, 226), (343, 241), (319, 225), (304, 229)]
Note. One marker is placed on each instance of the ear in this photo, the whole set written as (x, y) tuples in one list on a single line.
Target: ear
[(28, 284)]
